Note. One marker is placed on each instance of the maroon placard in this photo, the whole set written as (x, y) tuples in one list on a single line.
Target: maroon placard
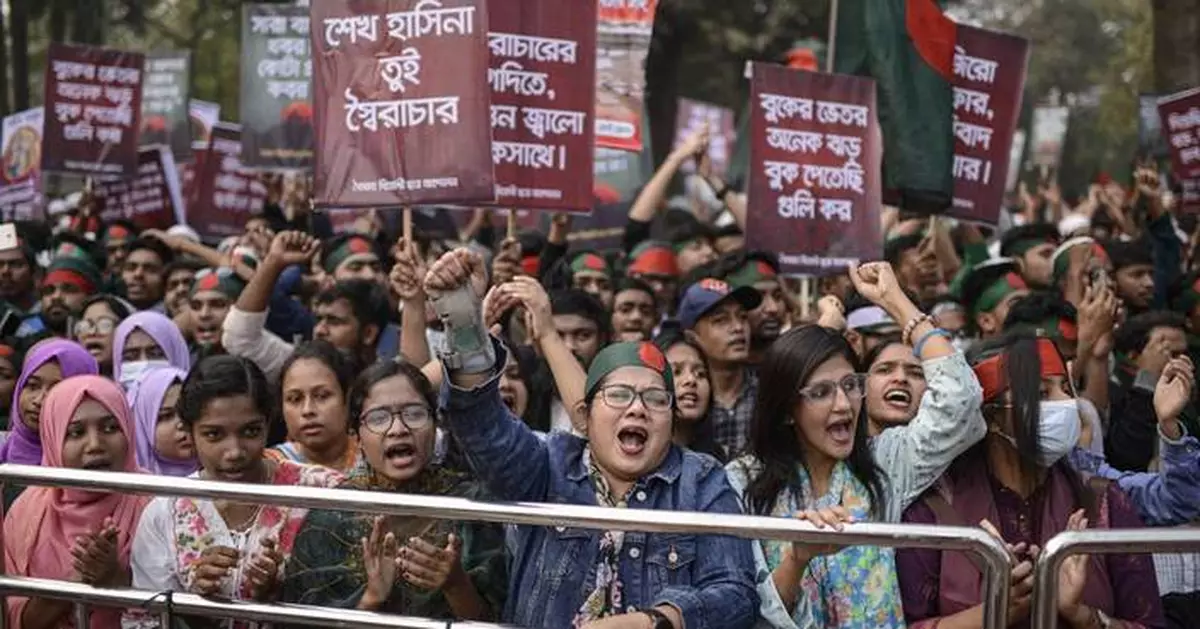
[(1180, 114), (402, 102), (815, 166), (691, 116), (225, 195), (543, 64), (151, 199), (93, 103), (989, 80)]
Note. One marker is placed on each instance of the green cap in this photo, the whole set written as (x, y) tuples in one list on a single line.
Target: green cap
[(618, 355)]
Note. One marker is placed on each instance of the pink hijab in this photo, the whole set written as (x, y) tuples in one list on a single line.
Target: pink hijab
[(42, 525)]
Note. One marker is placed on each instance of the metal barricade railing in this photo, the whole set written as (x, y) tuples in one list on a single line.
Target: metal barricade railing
[(1098, 542), (974, 540), (193, 605)]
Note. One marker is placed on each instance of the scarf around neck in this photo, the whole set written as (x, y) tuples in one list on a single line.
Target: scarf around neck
[(856, 588)]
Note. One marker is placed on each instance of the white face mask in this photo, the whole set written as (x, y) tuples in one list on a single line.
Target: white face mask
[(1058, 431), (134, 371)]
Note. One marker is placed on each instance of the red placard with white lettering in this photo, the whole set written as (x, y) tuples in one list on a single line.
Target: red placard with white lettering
[(989, 80), (1180, 115), (815, 169)]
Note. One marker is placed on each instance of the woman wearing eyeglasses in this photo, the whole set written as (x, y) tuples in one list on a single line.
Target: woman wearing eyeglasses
[(812, 458), (401, 565), (574, 577), (96, 326)]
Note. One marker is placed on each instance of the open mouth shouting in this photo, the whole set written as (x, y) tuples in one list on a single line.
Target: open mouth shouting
[(632, 439), (401, 455), (841, 432), (899, 399), (99, 464)]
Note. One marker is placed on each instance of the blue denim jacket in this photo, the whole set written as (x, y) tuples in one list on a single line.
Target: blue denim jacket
[(710, 579)]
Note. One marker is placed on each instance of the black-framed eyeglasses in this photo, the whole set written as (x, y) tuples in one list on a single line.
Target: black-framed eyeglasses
[(622, 396), (413, 416), (853, 385)]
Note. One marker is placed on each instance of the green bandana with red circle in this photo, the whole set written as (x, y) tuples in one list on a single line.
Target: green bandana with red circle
[(618, 355)]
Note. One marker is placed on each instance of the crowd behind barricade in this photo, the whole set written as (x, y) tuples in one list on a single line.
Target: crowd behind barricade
[(1029, 381)]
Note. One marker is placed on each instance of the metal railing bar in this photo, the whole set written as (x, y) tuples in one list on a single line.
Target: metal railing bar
[(993, 553), (193, 605), (1098, 542)]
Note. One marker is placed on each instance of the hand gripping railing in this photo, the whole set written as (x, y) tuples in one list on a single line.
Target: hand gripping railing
[(993, 554), (1098, 542)]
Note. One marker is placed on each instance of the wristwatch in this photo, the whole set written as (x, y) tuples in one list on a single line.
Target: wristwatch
[(660, 619)]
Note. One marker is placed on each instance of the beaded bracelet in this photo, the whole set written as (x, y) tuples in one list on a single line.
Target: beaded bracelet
[(906, 336)]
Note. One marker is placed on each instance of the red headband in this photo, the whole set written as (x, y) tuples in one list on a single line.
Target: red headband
[(656, 261), (63, 276), (993, 376), (529, 265)]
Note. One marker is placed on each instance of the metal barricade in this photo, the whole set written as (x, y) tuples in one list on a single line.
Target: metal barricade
[(1098, 542), (993, 553)]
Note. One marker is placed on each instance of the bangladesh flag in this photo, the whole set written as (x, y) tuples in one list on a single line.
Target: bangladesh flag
[(907, 46)]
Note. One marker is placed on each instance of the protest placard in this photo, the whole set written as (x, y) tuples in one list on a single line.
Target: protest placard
[(21, 196), (276, 106), (165, 104), (225, 195), (624, 32), (1180, 115), (151, 199)]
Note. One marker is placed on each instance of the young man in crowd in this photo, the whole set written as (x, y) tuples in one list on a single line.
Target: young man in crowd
[(1133, 274), (143, 274), (634, 311), (1032, 246), (591, 273), (760, 270), (69, 280), (715, 316), (989, 291)]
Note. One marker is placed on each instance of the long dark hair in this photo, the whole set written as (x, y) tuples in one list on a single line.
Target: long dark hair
[(786, 367), (703, 437), (1023, 373)]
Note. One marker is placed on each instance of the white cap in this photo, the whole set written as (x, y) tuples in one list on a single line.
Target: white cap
[(1072, 223), (184, 231)]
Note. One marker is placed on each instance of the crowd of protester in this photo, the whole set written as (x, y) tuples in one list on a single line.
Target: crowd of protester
[(1030, 381)]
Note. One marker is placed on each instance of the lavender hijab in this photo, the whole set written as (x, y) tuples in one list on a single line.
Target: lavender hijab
[(146, 401), (24, 446), (158, 327)]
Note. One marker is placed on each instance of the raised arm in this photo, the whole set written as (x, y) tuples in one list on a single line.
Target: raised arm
[(503, 450)]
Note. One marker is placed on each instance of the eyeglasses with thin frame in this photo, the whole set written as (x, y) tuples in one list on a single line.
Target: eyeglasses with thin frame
[(103, 325), (413, 416), (853, 385), (621, 396)]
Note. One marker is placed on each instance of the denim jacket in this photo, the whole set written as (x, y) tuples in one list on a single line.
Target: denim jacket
[(708, 578)]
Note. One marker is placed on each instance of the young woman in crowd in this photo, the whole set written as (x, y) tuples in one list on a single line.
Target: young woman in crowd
[(314, 403), (164, 445), (71, 534), (812, 458), (1019, 483), (895, 385), (97, 323), (566, 577), (144, 341), (219, 548), (693, 394), (46, 364), (411, 566)]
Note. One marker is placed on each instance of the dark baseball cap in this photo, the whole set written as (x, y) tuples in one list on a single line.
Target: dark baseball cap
[(706, 295)]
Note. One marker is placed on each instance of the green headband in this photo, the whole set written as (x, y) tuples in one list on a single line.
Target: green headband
[(996, 292), (590, 262), (223, 280), (1021, 247), (353, 246), (751, 273), (620, 355)]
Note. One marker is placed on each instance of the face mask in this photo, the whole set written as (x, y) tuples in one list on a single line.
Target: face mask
[(1058, 430), (132, 372)]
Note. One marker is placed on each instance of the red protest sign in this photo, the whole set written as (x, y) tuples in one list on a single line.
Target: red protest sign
[(151, 199), (225, 195), (543, 58), (815, 166), (93, 104), (401, 102), (622, 44), (1180, 115), (989, 79)]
